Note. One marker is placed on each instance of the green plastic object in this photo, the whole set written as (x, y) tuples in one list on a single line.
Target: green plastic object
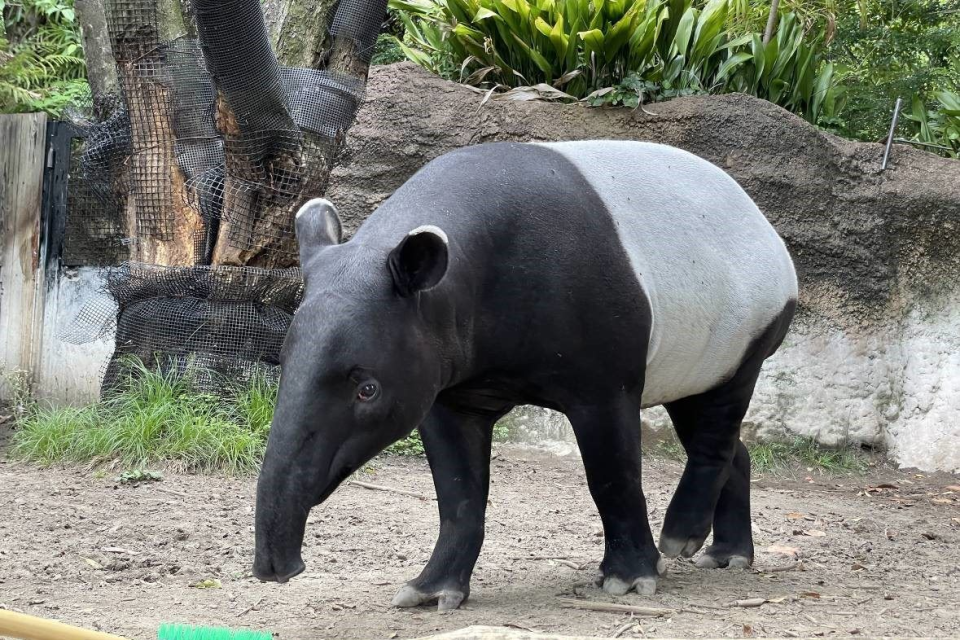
[(183, 632)]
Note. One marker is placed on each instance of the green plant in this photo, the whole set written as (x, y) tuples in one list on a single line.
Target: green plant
[(155, 416), (137, 476), (41, 61), (618, 51), (939, 126), (887, 50)]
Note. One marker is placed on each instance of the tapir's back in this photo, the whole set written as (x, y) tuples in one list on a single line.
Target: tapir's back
[(714, 270)]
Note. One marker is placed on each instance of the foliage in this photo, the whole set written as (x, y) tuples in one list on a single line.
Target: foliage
[(152, 417), (782, 455), (412, 445), (41, 61), (939, 126), (887, 50), (619, 48)]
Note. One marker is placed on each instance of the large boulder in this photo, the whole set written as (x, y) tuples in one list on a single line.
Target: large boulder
[(874, 356)]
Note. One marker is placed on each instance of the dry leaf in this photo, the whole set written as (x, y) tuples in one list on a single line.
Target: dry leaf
[(794, 516), (955, 521), (208, 583), (93, 563), (747, 631), (783, 550), (810, 594), (857, 566), (814, 533)]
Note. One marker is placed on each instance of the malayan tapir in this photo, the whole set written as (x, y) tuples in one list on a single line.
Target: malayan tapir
[(594, 278)]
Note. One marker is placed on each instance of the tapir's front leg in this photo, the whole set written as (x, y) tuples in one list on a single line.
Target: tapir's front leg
[(458, 449), (608, 434)]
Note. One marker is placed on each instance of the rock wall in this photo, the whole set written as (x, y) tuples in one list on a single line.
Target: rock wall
[(874, 356)]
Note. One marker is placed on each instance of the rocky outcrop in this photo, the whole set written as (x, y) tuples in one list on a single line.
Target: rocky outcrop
[(874, 356)]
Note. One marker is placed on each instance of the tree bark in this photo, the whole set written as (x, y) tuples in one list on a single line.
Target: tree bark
[(771, 21), (163, 228), (101, 65)]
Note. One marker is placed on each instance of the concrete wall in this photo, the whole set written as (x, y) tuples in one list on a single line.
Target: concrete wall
[(70, 373)]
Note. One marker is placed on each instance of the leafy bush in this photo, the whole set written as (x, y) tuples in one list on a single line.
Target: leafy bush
[(887, 50), (939, 126), (652, 48), (41, 61)]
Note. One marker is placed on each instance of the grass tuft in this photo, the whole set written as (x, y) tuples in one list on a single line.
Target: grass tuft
[(155, 416), (775, 456)]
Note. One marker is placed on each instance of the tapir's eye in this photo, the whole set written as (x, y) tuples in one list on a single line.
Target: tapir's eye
[(368, 391)]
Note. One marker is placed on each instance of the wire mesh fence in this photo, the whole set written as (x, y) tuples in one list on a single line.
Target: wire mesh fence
[(201, 168)]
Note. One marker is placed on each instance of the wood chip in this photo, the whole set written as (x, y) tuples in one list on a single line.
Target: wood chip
[(941, 500), (749, 603), (120, 550), (610, 607), (953, 487)]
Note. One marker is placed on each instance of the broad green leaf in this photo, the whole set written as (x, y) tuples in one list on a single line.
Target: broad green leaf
[(732, 64), (681, 41), (592, 40)]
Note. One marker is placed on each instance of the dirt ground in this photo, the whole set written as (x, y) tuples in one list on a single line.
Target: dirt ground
[(878, 555)]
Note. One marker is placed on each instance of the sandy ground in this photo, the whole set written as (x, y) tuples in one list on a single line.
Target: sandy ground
[(879, 555)]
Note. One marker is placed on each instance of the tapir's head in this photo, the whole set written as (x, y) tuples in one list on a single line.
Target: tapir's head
[(360, 370)]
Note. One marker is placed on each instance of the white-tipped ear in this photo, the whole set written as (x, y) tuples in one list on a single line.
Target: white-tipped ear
[(318, 224)]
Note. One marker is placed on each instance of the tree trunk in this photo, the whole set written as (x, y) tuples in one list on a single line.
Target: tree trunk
[(771, 21), (162, 227), (101, 65)]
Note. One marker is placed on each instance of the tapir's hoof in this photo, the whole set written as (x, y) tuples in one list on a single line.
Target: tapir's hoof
[(644, 585), (446, 599), (686, 547), (712, 559)]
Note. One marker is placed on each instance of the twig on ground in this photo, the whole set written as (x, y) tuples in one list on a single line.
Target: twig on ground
[(119, 550), (377, 487), (514, 625), (749, 603), (610, 607), (794, 566), (627, 627), (251, 607)]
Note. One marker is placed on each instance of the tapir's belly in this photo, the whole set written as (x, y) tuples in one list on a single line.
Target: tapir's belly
[(715, 272)]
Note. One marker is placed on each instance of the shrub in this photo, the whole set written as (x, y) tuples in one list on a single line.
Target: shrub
[(649, 48), (41, 61)]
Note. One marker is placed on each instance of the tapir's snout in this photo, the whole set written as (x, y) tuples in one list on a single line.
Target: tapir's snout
[(267, 569)]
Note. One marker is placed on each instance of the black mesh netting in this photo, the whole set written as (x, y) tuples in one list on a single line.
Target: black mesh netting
[(212, 148), (219, 321)]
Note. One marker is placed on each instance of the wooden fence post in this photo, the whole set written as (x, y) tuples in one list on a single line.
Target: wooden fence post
[(22, 145)]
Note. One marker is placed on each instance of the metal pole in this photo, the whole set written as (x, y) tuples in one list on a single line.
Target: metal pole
[(893, 128)]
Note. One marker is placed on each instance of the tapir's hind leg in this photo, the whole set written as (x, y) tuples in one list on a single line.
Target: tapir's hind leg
[(715, 486), (708, 426), (458, 450), (608, 435), (732, 537)]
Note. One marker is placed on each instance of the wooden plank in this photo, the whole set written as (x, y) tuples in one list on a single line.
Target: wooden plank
[(22, 144)]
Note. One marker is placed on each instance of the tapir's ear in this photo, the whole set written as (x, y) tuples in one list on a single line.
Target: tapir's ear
[(318, 225), (419, 261)]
